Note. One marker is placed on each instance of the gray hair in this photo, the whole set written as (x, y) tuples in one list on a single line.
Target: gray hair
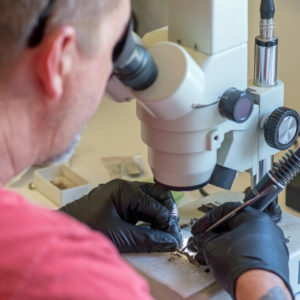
[(19, 17)]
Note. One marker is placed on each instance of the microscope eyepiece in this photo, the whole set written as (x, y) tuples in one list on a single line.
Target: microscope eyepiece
[(133, 64)]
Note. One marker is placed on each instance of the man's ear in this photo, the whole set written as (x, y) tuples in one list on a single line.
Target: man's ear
[(53, 60)]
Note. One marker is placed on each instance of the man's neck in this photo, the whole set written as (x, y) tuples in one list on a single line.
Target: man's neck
[(7, 169), (16, 140)]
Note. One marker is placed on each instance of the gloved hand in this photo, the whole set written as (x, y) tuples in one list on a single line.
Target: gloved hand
[(114, 209), (250, 240)]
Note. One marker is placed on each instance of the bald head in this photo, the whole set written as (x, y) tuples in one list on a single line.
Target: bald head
[(19, 18)]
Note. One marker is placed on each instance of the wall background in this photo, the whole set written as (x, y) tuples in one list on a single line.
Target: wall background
[(154, 14)]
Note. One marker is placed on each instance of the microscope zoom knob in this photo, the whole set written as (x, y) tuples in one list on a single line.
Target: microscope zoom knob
[(236, 105), (281, 128)]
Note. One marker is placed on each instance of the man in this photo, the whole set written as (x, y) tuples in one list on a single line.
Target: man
[(55, 60)]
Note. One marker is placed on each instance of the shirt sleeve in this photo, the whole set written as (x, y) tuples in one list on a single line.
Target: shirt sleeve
[(81, 266)]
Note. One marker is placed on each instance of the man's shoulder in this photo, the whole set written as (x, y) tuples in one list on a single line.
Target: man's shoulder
[(32, 223), (18, 215), (32, 237), (39, 247)]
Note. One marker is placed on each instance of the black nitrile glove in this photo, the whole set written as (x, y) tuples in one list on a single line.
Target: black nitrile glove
[(114, 209), (250, 240)]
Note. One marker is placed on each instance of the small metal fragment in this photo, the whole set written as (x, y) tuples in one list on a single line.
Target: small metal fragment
[(31, 186), (189, 224), (206, 207)]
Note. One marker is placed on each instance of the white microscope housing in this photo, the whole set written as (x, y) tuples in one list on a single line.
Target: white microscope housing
[(201, 118), (200, 55)]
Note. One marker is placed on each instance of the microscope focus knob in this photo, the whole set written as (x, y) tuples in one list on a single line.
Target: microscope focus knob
[(281, 128), (236, 105)]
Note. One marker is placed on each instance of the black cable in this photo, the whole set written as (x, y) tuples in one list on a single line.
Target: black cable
[(267, 9), (203, 192)]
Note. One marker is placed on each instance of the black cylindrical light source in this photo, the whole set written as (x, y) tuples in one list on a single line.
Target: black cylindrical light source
[(280, 175)]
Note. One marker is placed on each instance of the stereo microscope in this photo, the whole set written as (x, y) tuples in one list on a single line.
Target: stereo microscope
[(201, 117)]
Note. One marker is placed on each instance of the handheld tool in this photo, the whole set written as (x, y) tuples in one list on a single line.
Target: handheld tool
[(234, 212)]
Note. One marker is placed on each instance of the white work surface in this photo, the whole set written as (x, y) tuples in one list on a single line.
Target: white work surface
[(114, 130)]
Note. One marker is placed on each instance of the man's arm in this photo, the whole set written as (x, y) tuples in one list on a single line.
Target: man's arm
[(261, 285)]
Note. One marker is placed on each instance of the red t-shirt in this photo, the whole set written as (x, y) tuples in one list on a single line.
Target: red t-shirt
[(48, 255)]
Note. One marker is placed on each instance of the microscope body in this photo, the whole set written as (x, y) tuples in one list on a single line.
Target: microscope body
[(200, 55)]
